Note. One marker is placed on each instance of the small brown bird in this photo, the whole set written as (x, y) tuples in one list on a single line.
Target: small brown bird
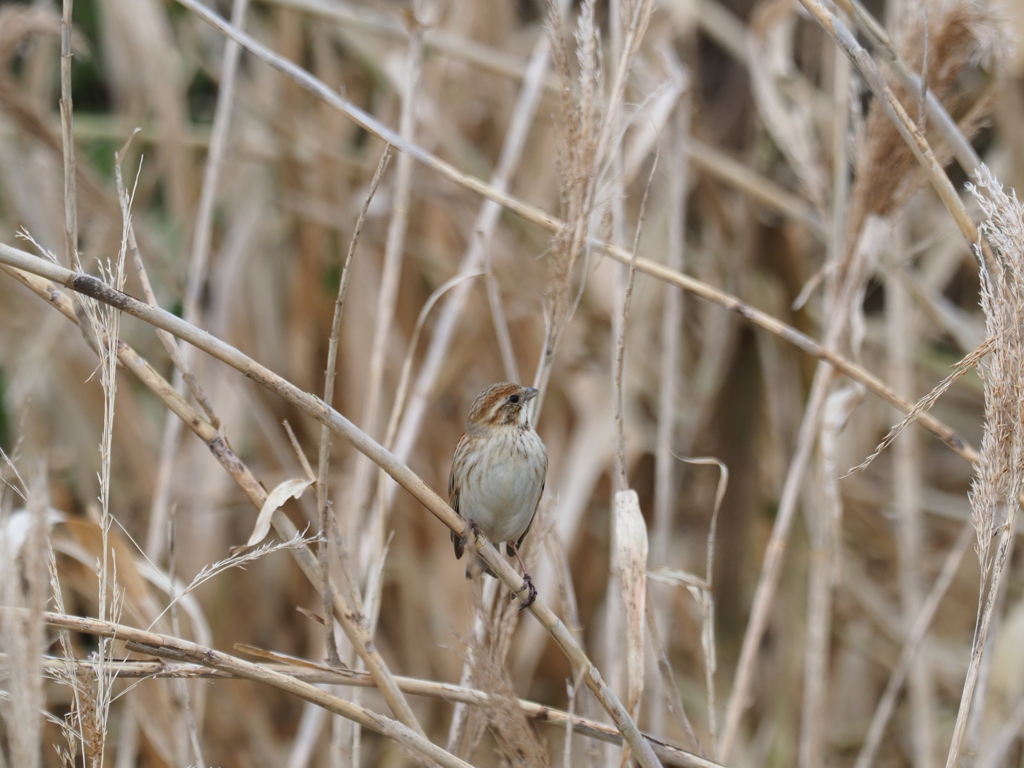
[(498, 471)]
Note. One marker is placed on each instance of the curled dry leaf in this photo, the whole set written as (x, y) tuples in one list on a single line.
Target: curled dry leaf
[(289, 489)]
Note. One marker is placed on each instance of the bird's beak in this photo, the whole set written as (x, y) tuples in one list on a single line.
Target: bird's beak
[(530, 393)]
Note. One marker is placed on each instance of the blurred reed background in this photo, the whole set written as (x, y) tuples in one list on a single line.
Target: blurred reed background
[(729, 144)]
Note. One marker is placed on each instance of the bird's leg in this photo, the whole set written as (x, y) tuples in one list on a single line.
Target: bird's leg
[(527, 581)]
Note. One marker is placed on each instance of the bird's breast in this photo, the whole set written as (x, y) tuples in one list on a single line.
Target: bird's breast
[(504, 486)]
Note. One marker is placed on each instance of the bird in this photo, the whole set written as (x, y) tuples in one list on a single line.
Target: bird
[(498, 473)]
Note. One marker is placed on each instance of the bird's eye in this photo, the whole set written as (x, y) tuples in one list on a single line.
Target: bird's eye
[(513, 399)]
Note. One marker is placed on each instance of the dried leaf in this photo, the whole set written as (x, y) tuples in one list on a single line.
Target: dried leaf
[(631, 541), (289, 489)]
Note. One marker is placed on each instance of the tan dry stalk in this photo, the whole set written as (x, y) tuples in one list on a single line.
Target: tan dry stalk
[(324, 457), (904, 337), (465, 729), (671, 392), (673, 699), (868, 754), (703, 593), (629, 532), (971, 361), (106, 320), (782, 99), (171, 346), (825, 528), (169, 343), (24, 584), (515, 740), (825, 521), (315, 408), (357, 510), (585, 137), (67, 137), (578, 159), (198, 268)]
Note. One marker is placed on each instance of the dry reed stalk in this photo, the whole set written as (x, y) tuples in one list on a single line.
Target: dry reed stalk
[(515, 741), (67, 132), (669, 688), (702, 591), (911, 83), (781, 98), (826, 528), (674, 351), (578, 158), (323, 463), (198, 268), (358, 507), (23, 584), (629, 537), (825, 522), (888, 171), (907, 488), (463, 732), (170, 345), (868, 754)]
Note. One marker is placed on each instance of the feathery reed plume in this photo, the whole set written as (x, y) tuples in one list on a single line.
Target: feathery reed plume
[(515, 740), (999, 481), (578, 139), (960, 37)]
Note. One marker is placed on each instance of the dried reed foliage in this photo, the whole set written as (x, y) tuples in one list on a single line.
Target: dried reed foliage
[(514, 739), (962, 44), (745, 178)]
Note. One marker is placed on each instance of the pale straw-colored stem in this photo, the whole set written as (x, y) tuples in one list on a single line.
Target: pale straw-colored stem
[(198, 268), (911, 647)]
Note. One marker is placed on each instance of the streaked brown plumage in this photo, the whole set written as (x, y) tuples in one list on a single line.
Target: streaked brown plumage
[(498, 471)]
